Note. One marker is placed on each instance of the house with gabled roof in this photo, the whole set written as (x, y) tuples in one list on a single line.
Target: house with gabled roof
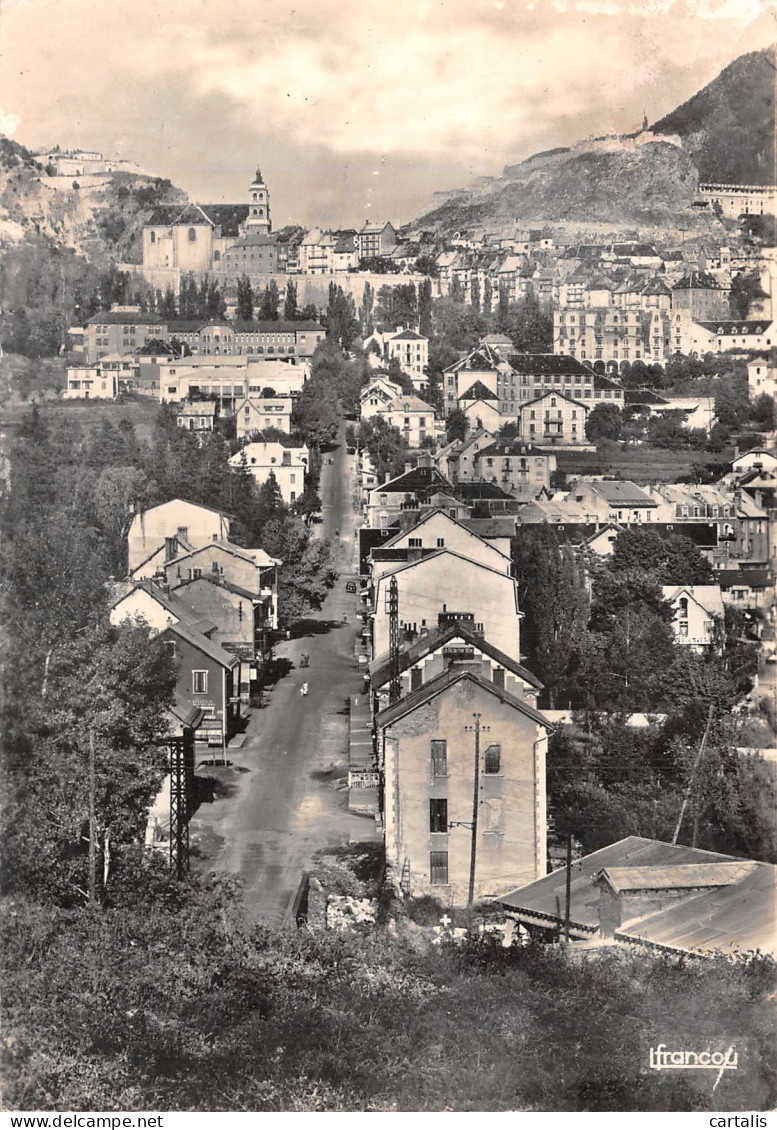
[(207, 681), (481, 592), (413, 418), (452, 643), (514, 464), (698, 614), (438, 530), (404, 492), (613, 500), (188, 523), (251, 570), (553, 418), (464, 803)]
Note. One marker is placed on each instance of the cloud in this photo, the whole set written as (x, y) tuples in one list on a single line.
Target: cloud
[(9, 123)]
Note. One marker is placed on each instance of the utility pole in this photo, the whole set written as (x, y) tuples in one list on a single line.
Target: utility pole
[(92, 888), (476, 729), (395, 687), (692, 779), (568, 898)]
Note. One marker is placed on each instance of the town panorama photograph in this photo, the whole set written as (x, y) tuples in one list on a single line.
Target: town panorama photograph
[(388, 538)]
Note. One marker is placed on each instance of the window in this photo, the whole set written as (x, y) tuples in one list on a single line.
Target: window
[(416, 678), (200, 682), (415, 543), (499, 677), (438, 815), (440, 543), (493, 759), (440, 758), (153, 237), (438, 868)]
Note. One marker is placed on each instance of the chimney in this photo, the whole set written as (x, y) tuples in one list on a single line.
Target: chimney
[(171, 548), (215, 537), (387, 477), (408, 467)]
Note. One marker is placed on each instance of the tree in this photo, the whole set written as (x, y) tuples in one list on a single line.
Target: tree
[(386, 446), (268, 309), (245, 299), (745, 290), (308, 504), (425, 308), (673, 560), (168, 308), (474, 294), (456, 424), (341, 326), (426, 265), (604, 422), (552, 594), (527, 323), (290, 311), (107, 689), (365, 310)]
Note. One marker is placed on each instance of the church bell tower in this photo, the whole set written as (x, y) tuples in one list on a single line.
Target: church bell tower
[(258, 207)]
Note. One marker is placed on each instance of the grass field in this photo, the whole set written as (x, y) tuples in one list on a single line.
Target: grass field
[(140, 411), (640, 465)]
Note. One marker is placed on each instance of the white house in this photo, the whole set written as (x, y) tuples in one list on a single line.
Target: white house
[(254, 415), (377, 395), (288, 464), (761, 379), (413, 417), (446, 584), (411, 350), (759, 459), (188, 523), (438, 530), (698, 613)]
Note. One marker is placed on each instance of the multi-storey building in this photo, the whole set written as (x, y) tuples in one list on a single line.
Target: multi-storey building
[(613, 335), (121, 330)]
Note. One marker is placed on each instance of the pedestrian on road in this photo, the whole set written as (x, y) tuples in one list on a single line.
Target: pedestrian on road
[(303, 689)]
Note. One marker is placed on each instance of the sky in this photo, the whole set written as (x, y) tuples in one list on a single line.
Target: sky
[(353, 109)]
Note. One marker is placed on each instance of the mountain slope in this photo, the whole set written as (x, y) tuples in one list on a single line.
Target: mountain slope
[(728, 128), (650, 185), (725, 132)]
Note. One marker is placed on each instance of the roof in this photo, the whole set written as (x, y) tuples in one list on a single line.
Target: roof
[(745, 578), (737, 327), (435, 639), (738, 917), (255, 239), (408, 335), (555, 392), (221, 583), (490, 527), (510, 448), (544, 897), (707, 596), (408, 403), (620, 492), (279, 327), (253, 555), (697, 280), (478, 391), (169, 601), (416, 479), (125, 318), (441, 684), (675, 876), (438, 511), (187, 502), (538, 364), (198, 408), (202, 643), (475, 490), (227, 216)]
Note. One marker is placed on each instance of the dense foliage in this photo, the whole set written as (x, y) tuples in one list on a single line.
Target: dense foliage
[(169, 1002)]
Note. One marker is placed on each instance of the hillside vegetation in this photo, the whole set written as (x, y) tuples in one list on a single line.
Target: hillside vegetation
[(728, 127), (727, 133)]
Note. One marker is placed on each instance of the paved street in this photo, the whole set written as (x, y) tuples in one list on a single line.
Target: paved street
[(281, 805)]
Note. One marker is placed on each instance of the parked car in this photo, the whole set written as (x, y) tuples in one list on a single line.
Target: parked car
[(350, 586)]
